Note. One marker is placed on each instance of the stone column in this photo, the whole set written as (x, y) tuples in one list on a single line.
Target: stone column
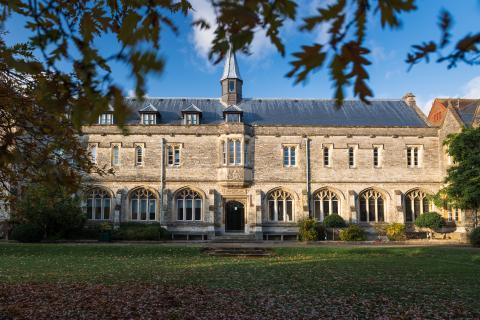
[(210, 218), (353, 208), (400, 217), (258, 215)]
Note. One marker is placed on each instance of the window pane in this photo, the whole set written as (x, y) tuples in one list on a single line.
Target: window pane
[(151, 209), (177, 156), (245, 153), (115, 156), (371, 210), (271, 209), (180, 209), (90, 208), (351, 161), (280, 210), (409, 157), (415, 157), (98, 208), (238, 153), (326, 208), (326, 156), (285, 156), (106, 208), (143, 209), (231, 152), (231, 86), (134, 209), (170, 155), (334, 207), (189, 212), (316, 209), (408, 210), (289, 210), (293, 159), (416, 206), (198, 209), (381, 216), (363, 209)]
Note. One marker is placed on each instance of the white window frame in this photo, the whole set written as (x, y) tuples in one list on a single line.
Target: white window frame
[(289, 155), (192, 119), (320, 197), (142, 155), (105, 119), (414, 156), (327, 160), (104, 197), (378, 157), (352, 155), (172, 151), (138, 196), (229, 115), (192, 195), (284, 197), (234, 157), (115, 162), (149, 119)]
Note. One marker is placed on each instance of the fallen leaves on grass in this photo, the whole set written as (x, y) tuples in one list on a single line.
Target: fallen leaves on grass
[(148, 301)]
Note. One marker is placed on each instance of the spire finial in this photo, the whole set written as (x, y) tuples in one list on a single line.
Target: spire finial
[(231, 70)]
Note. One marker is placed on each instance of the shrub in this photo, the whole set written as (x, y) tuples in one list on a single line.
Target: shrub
[(475, 237), (352, 233), (430, 220), (334, 221), (395, 232), (27, 233), (53, 209), (140, 232), (308, 229)]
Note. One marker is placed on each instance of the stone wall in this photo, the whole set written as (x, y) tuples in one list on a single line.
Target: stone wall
[(201, 169)]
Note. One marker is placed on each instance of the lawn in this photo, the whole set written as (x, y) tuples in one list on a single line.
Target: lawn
[(47, 281)]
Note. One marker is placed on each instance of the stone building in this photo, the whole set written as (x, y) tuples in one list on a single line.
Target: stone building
[(207, 166)]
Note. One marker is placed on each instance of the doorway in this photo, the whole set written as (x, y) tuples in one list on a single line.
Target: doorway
[(234, 216)]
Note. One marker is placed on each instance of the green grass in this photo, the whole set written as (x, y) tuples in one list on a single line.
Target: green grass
[(398, 274)]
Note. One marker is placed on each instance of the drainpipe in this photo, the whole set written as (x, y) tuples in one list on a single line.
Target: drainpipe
[(162, 180), (307, 172)]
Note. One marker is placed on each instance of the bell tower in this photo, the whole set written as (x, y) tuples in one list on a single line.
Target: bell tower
[(231, 81)]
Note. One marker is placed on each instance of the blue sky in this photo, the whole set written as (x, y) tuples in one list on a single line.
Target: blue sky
[(189, 73)]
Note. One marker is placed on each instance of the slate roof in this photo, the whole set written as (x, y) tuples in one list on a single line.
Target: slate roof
[(192, 108), (231, 70), (233, 108), (289, 112), (148, 108), (466, 110)]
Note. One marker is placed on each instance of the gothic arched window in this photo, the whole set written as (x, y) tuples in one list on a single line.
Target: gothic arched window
[(143, 205), (416, 203), (189, 205), (325, 202), (99, 204), (280, 206), (372, 206)]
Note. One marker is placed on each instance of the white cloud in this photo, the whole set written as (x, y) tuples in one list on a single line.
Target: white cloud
[(202, 39), (472, 88)]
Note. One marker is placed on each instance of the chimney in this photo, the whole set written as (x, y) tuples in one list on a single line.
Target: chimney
[(409, 99)]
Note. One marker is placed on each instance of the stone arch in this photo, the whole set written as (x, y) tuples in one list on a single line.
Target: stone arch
[(415, 202), (99, 203), (189, 204), (188, 187), (281, 205), (293, 193), (326, 201), (143, 204), (372, 203)]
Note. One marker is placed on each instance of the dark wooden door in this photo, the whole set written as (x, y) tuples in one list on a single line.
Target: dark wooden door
[(234, 216)]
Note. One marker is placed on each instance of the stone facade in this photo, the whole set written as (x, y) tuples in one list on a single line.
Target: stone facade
[(260, 170)]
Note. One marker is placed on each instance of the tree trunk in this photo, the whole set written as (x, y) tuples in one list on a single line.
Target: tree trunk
[(475, 218)]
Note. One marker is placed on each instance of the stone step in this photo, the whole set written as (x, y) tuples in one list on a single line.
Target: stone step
[(229, 238), (237, 252)]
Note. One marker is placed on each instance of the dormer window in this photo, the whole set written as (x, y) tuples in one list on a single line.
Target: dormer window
[(232, 117), (149, 118), (191, 119), (191, 115), (149, 115), (231, 85), (105, 119), (232, 113)]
